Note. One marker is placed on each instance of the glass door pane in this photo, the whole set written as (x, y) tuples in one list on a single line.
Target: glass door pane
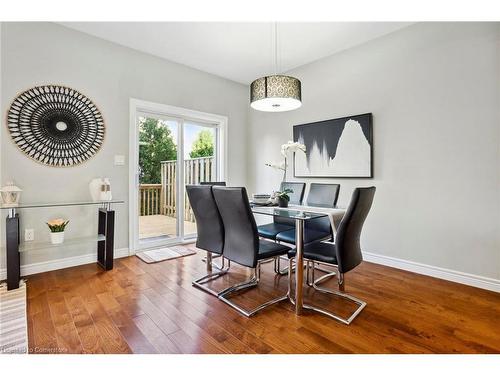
[(157, 191), (200, 164)]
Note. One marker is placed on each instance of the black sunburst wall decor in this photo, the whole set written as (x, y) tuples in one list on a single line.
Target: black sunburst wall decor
[(56, 125)]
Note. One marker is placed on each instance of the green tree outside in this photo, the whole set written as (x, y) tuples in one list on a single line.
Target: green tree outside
[(156, 144), (203, 146)]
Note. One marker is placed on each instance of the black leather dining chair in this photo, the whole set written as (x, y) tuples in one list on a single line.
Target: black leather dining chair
[(345, 254), (297, 194), (242, 243), (206, 259), (214, 183), (323, 195), (209, 227), (320, 195), (281, 224)]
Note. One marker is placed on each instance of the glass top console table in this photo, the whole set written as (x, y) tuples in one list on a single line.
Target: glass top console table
[(104, 238)]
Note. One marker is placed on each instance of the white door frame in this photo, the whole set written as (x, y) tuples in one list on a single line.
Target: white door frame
[(179, 114)]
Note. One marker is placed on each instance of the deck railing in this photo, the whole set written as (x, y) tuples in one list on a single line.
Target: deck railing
[(150, 199), (160, 199)]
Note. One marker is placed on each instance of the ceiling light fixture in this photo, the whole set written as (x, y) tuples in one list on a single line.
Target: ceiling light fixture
[(277, 92)]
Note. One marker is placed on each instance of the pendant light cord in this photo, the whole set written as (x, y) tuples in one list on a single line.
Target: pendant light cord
[(275, 48)]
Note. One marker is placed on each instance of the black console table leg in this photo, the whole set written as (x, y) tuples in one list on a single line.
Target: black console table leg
[(110, 239), (105, 247), (13, 257)]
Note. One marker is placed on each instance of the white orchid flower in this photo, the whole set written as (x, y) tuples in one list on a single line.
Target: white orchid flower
[(292, 147), (284, 149), (280, 166)]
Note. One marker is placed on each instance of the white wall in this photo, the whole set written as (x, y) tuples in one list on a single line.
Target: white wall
[(434, 91), (45, 53)]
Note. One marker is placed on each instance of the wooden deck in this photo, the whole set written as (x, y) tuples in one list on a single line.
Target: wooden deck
[(161, 225), (153, 308)]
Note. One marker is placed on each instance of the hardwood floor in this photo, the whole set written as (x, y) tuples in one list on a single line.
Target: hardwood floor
[(152, 308)]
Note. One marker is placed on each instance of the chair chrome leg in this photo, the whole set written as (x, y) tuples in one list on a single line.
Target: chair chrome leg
[(210, 277), (245, 285), (204, 259), (212, 263), (323, 278), (205, 279), (284, 271), (308, 271), (317, 266), (266, 260), (322, 269), (277, 267), (361, 304), (347, 321), (341, 282), (289, 292)]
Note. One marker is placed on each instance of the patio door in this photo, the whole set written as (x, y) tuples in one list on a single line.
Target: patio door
[(170, 148)]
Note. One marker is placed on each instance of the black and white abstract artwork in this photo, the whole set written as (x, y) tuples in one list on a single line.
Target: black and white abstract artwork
[(339, 148)]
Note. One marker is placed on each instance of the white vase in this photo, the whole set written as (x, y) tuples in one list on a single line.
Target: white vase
[(95, 189), (56, 238), (108, 195)]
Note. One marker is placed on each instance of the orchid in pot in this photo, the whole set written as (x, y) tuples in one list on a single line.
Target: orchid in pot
[(57, 227), (282, 197), (287, 148)]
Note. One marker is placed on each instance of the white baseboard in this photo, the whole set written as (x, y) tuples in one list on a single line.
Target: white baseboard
[(438, 272), (51, 265)]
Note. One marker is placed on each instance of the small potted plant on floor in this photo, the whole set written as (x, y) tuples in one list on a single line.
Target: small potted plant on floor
[(283, 197), (56, 227)]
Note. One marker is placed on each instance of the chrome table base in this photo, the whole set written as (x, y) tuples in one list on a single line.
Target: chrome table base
[(299, 271)]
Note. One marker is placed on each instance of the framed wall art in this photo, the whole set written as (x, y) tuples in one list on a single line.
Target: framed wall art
[(339, 148), (56, 125)]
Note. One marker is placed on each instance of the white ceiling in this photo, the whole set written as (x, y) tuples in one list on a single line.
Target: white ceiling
[(241, 52)]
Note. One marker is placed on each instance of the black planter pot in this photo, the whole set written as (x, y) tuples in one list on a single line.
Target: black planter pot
[(282, 202)]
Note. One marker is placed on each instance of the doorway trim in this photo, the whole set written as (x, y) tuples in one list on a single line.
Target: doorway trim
[(138, 105)]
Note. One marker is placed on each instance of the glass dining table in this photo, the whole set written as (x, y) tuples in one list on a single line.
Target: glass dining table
[(300, 216)]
